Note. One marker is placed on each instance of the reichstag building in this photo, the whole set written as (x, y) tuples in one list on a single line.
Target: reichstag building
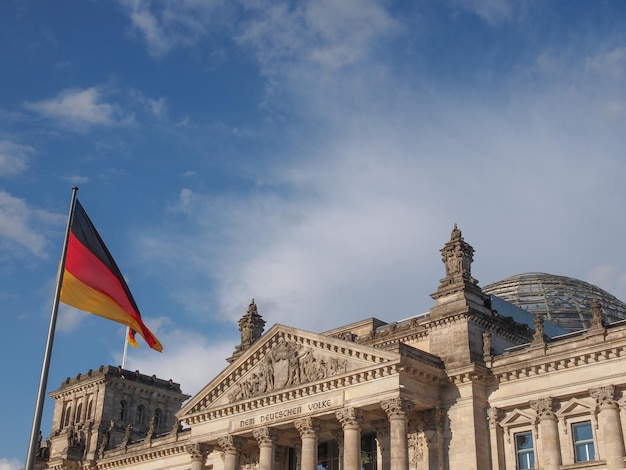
[(526, 373)]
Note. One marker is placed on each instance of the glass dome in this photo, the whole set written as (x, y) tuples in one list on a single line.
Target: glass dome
[(562, 300)]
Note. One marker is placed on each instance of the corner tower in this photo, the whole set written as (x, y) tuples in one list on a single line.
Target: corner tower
[(105, 408)]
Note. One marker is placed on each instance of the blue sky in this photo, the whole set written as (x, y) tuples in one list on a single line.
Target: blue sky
[(311, 155)]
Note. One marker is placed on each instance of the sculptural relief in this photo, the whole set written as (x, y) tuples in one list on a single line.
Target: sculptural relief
[(285, 365)]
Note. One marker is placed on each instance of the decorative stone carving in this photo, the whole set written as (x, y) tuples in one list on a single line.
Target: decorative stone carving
[(151, 430), (251, 326), (285, 365), (597, 321), (544, 407), (249, 460), (231, 444), (457, 256), (538, 336), (198, 450), (265, 436), (604, 395), (397, 407), (494, 416), (127, 439), (487, 346), (307, 427), (349, 417)]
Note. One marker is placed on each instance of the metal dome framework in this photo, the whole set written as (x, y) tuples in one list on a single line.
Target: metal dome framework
[(563, 300)]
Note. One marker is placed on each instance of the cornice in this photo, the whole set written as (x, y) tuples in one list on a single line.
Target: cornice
[(551, 361), (141, 454)]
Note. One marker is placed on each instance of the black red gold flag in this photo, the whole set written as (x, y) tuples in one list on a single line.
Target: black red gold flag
[(92, 281)]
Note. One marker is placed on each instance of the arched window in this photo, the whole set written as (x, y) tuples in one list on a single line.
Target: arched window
[(122, 414), (139, 415), (157, 418), (89, 409), (79, 410), (68, 413)]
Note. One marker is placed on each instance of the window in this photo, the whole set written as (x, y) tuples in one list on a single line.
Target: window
[(524, 450), (368, 451), (582, 434), (122, 414), (328, 456), (68, 413), (157, 418), (89, 409), (79, 410), (139, 415)]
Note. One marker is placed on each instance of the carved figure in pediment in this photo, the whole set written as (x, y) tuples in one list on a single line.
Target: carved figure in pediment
[(285, 365)]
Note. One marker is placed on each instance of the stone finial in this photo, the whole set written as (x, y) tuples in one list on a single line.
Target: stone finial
[(457, 256), (539, 335), (251, 326), (597, 321)]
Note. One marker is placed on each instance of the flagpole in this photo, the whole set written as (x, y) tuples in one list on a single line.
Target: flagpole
[(43, 382), (125, 347)]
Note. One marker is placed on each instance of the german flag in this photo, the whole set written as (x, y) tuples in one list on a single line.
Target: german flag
[(92, 281)]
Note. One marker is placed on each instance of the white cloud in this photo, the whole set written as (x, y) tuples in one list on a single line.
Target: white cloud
[(493, 12), (10, 464), (188, 357), (13, 158), (23, 228), (172, 23), (80, 109), (327, 34)]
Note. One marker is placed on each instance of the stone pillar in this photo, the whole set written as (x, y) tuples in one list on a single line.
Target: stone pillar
[(351, 420), (231, 446), (266, 437), (609, 421), (382, 444), (198, 453), (309, 431), (397, 410), (496, 438), (338, 437), (550, 457)]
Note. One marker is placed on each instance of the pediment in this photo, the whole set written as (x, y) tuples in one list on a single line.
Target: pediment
[(285, 362), (517, 417), (574, 407)]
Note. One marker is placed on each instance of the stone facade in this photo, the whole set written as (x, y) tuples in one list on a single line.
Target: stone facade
[(462, 387)]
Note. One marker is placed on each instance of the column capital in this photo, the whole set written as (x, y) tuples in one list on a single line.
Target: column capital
[(265, 436), (307, 427), (544, 407), (198, 450), (349, 417), (604, 396), (230, 443), (397, 408)]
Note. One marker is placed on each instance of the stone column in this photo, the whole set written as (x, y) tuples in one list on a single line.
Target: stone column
[(496, 438), (231, 446), (609, 421), (397, 410), (351, 420), (198, 453), (309, 431), (550, 458), (382, 444), (266, 437)]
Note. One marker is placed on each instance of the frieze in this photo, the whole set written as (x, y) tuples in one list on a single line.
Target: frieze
[(291, 411)]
